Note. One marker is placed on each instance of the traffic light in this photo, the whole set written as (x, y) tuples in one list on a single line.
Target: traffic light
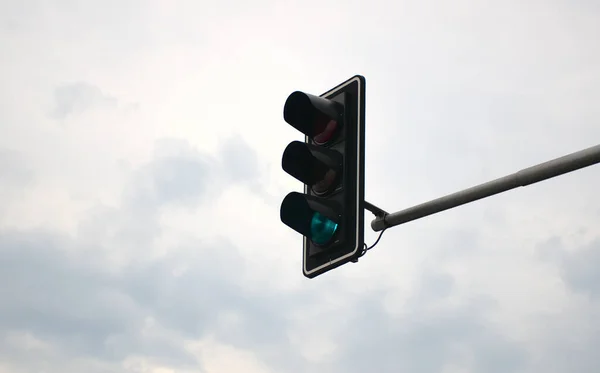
[(330, 163)]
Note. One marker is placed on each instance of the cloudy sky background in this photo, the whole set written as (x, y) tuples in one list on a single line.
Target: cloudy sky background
[(140, 184)]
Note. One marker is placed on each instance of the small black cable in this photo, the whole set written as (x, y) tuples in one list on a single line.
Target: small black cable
[(367, 248)]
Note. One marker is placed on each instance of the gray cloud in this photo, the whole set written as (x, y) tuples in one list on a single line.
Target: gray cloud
[(14, 169), (63, 290), (55, 295), (426, 339), (75, 98), (239, 161), (579, 266), (60, 293), (179, 179), (182, 175), (177, 175)]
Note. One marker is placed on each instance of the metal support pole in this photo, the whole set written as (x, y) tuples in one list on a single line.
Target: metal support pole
[(527, 176)]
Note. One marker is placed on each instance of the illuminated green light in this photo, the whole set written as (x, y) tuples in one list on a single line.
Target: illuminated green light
[(322, 229)]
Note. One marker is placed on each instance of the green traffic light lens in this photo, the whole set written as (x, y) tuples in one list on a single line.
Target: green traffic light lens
[(322, 229)]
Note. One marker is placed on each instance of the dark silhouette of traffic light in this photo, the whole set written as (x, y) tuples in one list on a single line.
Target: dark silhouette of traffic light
[(330, 163)]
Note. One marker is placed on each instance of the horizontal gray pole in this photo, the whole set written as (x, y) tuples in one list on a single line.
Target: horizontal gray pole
[(528, 176)]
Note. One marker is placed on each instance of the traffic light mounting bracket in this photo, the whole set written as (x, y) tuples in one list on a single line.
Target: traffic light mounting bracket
[(378, 212)]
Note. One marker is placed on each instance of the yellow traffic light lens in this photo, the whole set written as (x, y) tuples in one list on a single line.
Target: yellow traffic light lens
[(327, 184), (322, 229)]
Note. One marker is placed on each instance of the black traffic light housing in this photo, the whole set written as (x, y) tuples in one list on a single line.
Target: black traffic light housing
[(330, 163)]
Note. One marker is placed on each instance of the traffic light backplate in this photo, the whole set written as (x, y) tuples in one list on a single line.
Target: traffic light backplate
[(330, 163)]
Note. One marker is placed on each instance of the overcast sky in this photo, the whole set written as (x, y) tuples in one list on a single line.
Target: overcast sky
[(140, 184)]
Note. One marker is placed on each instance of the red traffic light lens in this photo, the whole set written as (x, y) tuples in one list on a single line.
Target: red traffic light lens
[(325, 131)]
